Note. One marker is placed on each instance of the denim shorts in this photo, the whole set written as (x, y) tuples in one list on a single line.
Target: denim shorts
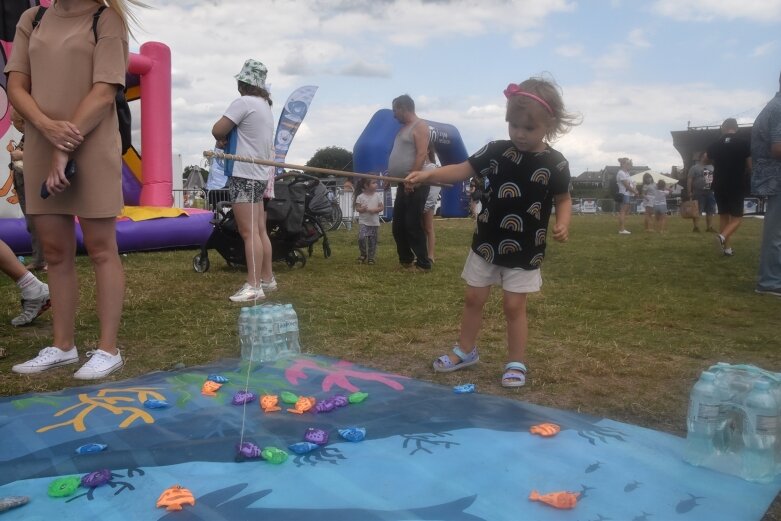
[(246, 190)]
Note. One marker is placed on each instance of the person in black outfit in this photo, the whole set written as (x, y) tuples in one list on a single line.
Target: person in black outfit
[(731, 157)]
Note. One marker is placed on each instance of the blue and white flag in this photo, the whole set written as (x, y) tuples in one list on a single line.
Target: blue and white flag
[(292, 115)]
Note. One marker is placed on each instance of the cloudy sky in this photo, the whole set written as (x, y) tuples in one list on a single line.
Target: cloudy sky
[(634, 70)]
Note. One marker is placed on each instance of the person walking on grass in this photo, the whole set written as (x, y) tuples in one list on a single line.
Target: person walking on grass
[(766, 181), (626, 189), (698, 185), (649, 191), (66, 66), (523, 177), (731, 157), (369, 206)]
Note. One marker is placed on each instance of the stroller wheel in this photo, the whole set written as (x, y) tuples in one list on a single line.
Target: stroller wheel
[(295, 256), (200, 263)]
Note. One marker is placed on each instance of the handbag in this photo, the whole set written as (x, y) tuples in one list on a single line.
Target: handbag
[(690, 209)]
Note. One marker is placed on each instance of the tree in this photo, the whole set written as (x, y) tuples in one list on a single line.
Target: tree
[(335, 158)]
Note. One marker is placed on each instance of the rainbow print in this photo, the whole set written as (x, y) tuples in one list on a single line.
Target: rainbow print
[(512, 222), (541, 176), (535, 210), (491, 169), (539, 237), (509, 191), (513, 154), (509, 246), (486, 251), (537, 260)]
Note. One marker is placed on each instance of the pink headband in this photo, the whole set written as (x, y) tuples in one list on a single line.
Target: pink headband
[(515, 90)]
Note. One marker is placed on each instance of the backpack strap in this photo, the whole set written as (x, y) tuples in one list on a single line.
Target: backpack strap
[(38, 16), (95, 18)]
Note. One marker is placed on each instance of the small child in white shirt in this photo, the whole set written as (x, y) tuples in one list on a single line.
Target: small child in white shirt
[(369, 206)]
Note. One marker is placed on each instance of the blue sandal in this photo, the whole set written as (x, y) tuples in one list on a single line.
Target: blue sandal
[(444, 365), (514, 379)]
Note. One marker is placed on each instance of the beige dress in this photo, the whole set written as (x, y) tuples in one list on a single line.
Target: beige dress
[(63, 62)]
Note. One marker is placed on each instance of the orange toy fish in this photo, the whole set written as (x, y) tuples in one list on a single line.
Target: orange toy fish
[(174, 497), (563, 500), (210, 388), (269, 403), (545, 429), (303, 404)]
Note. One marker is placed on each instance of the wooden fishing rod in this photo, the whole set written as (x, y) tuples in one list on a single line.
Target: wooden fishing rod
[(304, 168)]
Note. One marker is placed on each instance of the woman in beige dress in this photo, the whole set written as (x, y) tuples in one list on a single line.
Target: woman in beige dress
[(64, 83)]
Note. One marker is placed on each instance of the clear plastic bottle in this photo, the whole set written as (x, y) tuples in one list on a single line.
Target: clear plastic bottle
[(760, 433), (293, 342), (280, 332), (266, 327), (703, 420), (245, 340)]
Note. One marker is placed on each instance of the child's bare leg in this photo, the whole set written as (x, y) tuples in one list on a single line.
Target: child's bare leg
[(472, 319), (517, 326)]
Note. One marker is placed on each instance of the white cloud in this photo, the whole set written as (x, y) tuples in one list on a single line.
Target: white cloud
[(569, 51), (764, 49), (638, 38), (762, 11)]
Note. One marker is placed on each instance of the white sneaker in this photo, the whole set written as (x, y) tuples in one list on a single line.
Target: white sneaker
[(32, 308), (269, 286), (48, 358), (248, 293), (99, 365), (624, 232)]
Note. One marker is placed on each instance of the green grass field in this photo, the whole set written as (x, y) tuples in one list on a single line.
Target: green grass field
[(622, 327)]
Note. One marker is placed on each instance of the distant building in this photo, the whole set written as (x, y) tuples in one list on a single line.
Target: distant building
[(602, 178)]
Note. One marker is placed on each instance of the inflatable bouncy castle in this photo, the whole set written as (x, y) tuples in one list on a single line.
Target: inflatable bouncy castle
[(148, 222)]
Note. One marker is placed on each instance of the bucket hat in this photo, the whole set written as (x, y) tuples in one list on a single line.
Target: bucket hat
[(253, 73)]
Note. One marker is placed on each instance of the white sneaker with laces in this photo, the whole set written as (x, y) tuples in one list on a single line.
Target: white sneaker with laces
[(248, 293), (99, 365), (48, 358), (624, 232), (269, 286), (32, 308)]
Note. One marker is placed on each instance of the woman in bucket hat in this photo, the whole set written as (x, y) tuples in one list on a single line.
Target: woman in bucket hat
[(250, 117)]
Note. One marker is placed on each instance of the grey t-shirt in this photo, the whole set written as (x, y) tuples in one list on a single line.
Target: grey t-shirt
[(402, 157), (702, 177)]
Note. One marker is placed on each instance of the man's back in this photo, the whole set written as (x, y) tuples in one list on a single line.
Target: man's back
[(729, 155)]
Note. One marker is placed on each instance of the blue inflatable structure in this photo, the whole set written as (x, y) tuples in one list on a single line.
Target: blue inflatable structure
[(373, 148)]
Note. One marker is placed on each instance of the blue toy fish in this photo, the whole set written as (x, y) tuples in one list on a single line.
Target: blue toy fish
[(303, 447), (463, 389), (156, 404), (89, 448), (353, 433), (217, 378)]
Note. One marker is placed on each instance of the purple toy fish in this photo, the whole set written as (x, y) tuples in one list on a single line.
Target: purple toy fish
[(340, 400), (96, 479), (249, 450), (318, 436), (326, 405), (243, 397)]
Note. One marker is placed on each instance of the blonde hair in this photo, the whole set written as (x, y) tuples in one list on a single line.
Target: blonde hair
[(547, 89), (124, 11)]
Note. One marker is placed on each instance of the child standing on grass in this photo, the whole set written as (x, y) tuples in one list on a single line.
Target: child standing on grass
[(660, 206), (369, 206), (648, 190), (523, 176)]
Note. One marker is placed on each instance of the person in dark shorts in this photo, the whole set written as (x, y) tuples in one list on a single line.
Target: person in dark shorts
[(731, 158)]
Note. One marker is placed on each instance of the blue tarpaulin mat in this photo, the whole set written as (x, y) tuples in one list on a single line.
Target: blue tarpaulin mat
[(429, 453)]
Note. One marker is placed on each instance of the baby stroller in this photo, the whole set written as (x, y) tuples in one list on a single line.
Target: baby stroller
[(292, 223)]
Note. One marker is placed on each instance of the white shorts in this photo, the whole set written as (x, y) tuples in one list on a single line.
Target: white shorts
[(431, 200), (480, 274)]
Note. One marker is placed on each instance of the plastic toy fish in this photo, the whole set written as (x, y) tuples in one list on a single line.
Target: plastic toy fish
[(174, 497), (9, 502), (464, 388), (274, 455), (89, 448), (545, 429), (326, 405), (270, 403), (318, 436), (303, 404), (357, 397), (249, 450), (96, 479), (243, 397), (217, 378), (563, 500), (340, 400), (288, 397), (156, 404), (353, 434), (210, 388), (63, 487), (303, 447)]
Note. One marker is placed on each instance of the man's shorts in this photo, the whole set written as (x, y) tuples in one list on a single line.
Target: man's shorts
[(480, 274), (246, 190), (706, 202), (730, 202)]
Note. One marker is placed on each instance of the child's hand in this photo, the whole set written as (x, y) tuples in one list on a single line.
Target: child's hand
[(560, 232)]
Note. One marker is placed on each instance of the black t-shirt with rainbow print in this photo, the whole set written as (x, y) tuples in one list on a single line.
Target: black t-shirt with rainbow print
[(517, 199)]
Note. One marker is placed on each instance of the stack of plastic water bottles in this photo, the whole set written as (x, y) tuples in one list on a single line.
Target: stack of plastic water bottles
[(733, 422), (268, 332)]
